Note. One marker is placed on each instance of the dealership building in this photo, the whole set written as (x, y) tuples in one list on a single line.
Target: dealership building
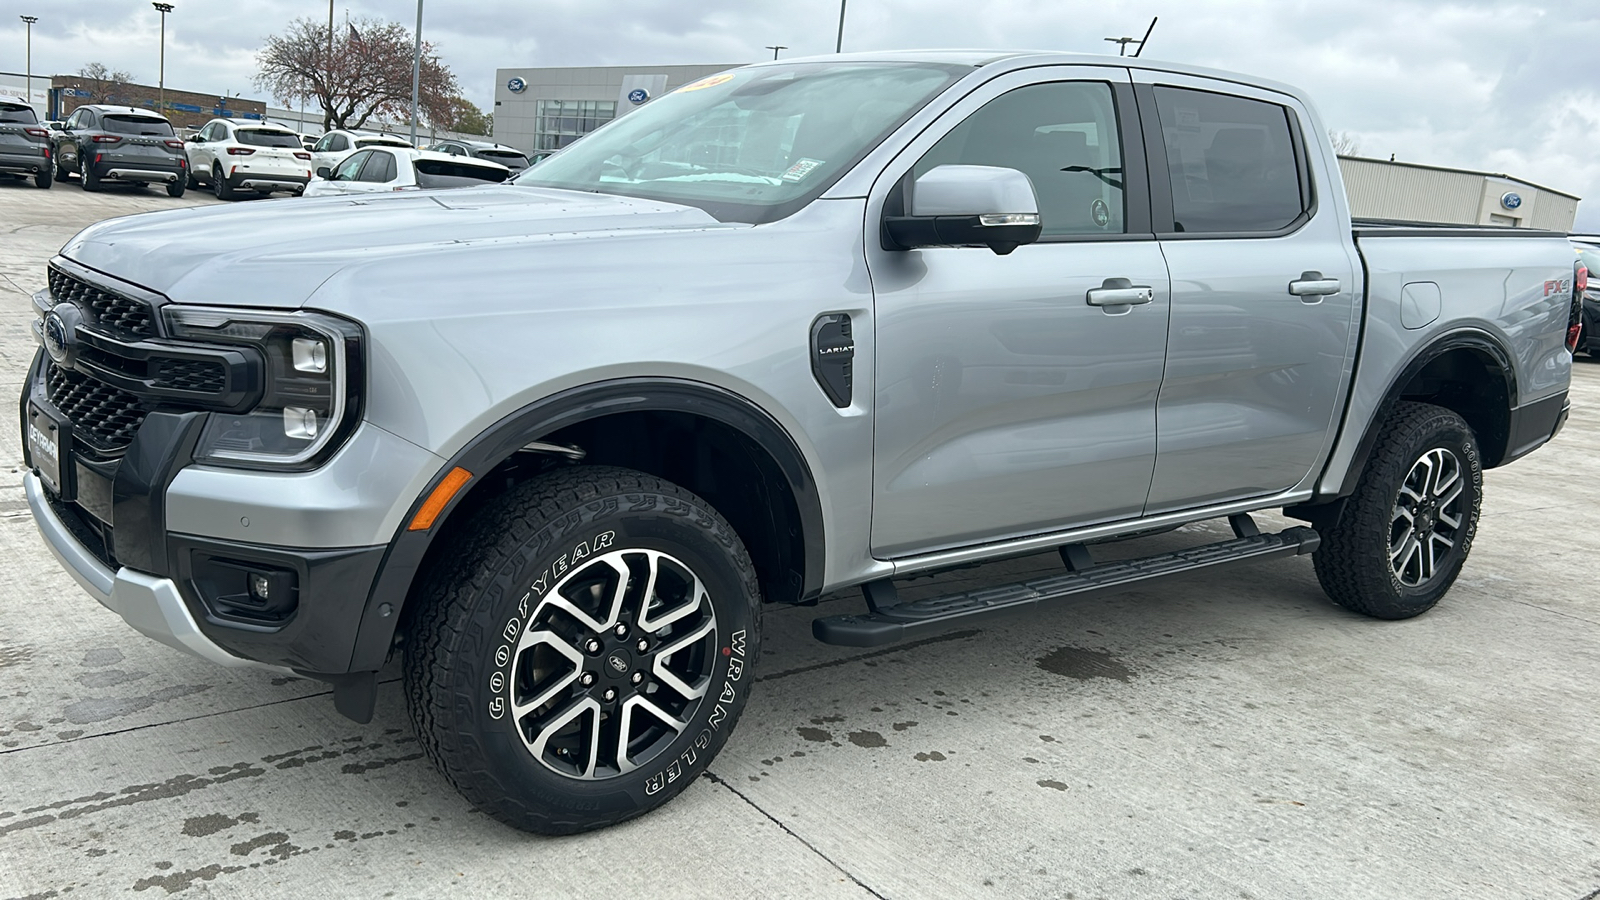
[(539, 110), (546, 109)]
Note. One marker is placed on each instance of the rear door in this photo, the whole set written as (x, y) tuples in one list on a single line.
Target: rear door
[(1264, 290), (1006, 402)]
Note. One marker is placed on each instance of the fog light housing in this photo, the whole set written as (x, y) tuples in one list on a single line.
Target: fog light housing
[(236, 590)]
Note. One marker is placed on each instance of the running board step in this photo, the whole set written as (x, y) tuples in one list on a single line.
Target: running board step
[(885, 624)]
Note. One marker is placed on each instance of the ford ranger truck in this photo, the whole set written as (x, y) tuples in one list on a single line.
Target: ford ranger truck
[(792, 328)]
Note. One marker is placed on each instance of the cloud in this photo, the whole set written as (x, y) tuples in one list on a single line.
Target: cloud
[(1489, 84)]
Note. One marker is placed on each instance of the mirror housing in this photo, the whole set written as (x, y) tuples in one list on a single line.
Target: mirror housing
[(56, 126), (968, 206), (324, 173)]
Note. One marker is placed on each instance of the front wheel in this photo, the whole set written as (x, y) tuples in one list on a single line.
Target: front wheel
[(583, 649), (1407, 529)]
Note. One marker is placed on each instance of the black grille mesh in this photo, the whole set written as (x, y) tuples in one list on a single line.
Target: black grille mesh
[(191, 375), (112, 312), (102, 416)]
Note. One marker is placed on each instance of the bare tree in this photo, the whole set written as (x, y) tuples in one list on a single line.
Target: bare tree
[(368, 74), (1344, 143), (104, 85)]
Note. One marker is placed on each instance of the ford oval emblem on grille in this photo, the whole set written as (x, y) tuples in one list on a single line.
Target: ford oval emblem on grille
[(60, 333)]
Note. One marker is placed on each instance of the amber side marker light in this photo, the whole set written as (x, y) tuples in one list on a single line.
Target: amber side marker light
[(436, 502)]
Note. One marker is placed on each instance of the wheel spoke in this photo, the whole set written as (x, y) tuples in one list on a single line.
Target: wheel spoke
[(691, 601), (638, 703), (555, 599), (556, 643), (579, 707), (659, 667)]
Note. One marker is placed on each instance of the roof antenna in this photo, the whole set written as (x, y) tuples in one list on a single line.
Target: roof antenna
[(1146, 36)]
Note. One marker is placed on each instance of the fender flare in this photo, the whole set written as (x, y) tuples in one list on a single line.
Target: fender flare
[(407, 549), (1460, 339)]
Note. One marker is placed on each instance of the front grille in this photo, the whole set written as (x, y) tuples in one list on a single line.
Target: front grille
[(104, 417), (112, 312), (191, 375)]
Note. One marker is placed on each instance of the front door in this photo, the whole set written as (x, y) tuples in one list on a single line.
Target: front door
[(1005, 403), (1264, 293)]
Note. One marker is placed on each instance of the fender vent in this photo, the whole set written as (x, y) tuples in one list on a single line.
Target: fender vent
[(833, 353)]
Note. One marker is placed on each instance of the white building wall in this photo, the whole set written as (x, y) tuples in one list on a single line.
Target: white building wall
[(1379, 189), (516, 114)]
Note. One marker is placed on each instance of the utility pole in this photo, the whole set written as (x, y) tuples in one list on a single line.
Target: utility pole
[(161, 77), (775, 48), (28, 22), (838, 45), (416, 75)]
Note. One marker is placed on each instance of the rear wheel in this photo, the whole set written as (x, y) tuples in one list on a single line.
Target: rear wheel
[(580, 653), (175, 188), (61, 173), (43, 179), (1407, 530), (220, 186), (91, 181)]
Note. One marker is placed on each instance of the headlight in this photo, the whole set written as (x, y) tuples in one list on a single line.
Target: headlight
[(311, 384)]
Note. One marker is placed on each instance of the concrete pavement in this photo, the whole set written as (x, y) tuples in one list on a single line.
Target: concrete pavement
[(1228, 736)]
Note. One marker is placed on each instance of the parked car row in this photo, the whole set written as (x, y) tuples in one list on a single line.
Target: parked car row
[(234, 158)]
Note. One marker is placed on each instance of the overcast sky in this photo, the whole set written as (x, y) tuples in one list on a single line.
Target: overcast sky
[(1503, 86)]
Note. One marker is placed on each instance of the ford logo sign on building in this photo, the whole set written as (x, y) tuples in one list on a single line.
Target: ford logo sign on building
[(516, 85), (638, 96), (1511, 200)]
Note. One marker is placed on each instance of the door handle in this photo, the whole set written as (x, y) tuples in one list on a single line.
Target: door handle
[(1312, 284), (1119, 292)]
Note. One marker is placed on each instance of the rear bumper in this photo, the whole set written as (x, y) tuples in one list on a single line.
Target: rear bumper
[(152, 172), (25, 163), (1534, 424), (267, 182), (152, 606)]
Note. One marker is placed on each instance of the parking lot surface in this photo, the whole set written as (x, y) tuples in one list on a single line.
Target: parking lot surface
[(1230, 736)]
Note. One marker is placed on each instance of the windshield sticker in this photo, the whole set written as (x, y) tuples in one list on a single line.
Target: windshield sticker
[(708, 81), (801, 169)]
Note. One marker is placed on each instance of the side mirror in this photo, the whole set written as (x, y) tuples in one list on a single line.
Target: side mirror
[(55, 126), (968, 206), (324, 172)]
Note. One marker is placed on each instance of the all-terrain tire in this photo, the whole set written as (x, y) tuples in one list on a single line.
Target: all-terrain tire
[(1409, 526), (486, 643)]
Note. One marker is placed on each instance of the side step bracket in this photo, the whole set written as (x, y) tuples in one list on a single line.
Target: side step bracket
[(885, 623)]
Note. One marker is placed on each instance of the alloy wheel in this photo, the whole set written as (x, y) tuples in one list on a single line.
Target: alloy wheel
[(1428, 517)]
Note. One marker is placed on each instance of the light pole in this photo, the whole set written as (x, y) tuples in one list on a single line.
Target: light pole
[(161, 76), (416, 74), (28, 21), (838, 46), (775, 48)]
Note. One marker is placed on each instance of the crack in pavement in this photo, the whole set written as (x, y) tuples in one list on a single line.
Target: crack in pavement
[(716, 779), (897, 648)]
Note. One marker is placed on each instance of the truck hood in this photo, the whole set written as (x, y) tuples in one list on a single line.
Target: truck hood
[(275, 253)]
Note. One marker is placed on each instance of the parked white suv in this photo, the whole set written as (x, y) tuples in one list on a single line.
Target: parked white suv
[(334, 146), (247, 156), (377, 169)]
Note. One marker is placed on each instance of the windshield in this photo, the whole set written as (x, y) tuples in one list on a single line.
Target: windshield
[(14, 112), (749, 145), (140, 125), (266, 137)]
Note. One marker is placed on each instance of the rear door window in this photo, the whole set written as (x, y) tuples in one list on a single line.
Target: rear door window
[(379, 168), (264, 137), (1233, 162), (438, 173), (137, 125), (17, 114)]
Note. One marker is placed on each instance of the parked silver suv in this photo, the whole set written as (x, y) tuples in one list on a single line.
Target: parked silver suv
[(791, 328)]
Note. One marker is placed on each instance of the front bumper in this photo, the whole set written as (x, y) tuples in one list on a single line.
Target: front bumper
[(152, 605)]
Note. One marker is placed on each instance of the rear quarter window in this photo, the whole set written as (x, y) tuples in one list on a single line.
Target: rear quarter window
[(17, 114), (139, 125)]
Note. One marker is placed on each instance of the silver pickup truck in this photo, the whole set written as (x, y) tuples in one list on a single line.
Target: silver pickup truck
[(791, 328)]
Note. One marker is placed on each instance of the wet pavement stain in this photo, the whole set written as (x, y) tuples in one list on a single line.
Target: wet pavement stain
[(182, 881), (108, 678), (101, 656), (203, 826), (868, 739), (1074, 662), (99, 709), (1052, 785), (12, 655), (930, 756), (815, 734), (902, 726)]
